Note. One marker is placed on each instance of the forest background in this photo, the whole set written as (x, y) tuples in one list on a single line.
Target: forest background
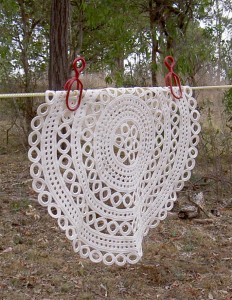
[(124, 43)]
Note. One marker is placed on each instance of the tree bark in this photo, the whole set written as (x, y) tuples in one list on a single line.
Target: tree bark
[(154, 42), (76, 30), (59, 42), (219, 41)]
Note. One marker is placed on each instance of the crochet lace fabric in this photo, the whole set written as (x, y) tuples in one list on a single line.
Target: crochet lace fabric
[(109, 171)]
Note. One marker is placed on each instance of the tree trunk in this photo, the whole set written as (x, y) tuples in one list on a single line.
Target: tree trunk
[(59, 41), (219, 40), (76, 30), (27, 114), (154, 44), (119, 71)]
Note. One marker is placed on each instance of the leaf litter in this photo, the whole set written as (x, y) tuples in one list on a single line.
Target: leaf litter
[(182, 260)]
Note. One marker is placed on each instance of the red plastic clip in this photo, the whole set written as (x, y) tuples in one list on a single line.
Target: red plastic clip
[(171, 76), (69, 83)]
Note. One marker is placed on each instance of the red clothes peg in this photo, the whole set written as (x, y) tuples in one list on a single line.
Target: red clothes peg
[(171, 76), (69, 83)]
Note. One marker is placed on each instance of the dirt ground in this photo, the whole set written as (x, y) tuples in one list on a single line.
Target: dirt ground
[(182, 259)]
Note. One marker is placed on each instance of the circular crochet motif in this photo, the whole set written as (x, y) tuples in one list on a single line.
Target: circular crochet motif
[(109, 171)]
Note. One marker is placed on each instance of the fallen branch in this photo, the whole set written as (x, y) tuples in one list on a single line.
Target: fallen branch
[(199, 203), (188, 212), (203, 221)]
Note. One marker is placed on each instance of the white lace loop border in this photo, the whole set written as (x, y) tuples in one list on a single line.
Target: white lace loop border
[(109, 171)]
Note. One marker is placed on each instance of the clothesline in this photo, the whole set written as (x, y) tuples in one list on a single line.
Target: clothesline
[(27, 95)]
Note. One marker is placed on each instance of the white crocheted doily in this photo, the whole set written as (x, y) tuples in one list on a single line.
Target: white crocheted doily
[(110, 170)]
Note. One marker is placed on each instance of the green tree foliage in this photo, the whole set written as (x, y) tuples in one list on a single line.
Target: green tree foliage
[(23, 54), (23, 43), (109, 36), (168, 22), (193, 53), (125, 39), (139, 34), (218, 23)]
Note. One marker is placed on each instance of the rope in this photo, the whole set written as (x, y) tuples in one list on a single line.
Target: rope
[(27, 95), (22, 95), (213, 87)]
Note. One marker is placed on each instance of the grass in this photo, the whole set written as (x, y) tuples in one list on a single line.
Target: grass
[(16, 205)]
